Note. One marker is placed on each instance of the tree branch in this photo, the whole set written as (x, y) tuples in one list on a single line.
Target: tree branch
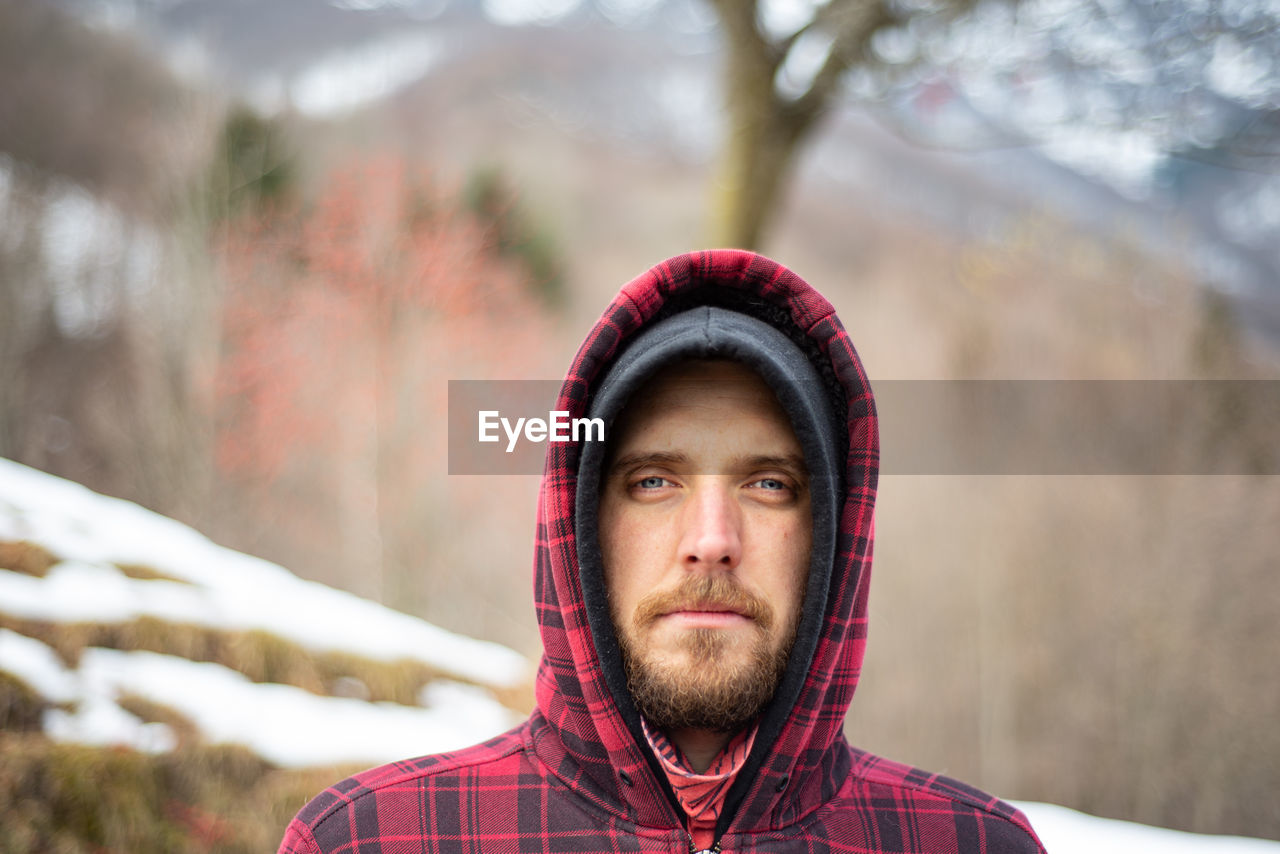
[(851, 24), (745, 42)]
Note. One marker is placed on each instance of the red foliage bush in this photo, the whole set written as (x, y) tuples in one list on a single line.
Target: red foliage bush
[(343, 320)]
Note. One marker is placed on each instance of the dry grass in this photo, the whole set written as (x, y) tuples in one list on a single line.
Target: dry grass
[(34, 559), (197, 798), (186, 732), (261, 656), (26, 557), (21, 708), (146, 573), (73, 799)]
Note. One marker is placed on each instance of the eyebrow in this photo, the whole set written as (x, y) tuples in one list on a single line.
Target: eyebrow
[(636, 459), (647, 458)]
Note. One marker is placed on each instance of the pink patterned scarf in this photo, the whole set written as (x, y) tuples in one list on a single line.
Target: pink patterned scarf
[(701, 795)]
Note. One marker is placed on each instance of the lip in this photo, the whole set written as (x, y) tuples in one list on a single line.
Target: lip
[(711, 618)]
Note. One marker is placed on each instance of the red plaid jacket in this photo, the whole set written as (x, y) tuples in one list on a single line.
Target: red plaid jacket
[(574, 777)]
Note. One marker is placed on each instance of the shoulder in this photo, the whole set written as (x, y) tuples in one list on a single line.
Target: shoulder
[(367, 798), (960, 817)]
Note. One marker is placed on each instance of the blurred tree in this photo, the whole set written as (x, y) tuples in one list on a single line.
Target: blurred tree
[(767, 121), (1112, 87), (343, 320), (253, 163), (87, 105), (495, 203), (104, 303)]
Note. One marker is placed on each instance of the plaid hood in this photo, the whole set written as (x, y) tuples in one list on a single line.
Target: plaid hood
[(799, 756), (576, 776)]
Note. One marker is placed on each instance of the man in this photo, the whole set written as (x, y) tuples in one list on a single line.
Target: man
[(701, 579)]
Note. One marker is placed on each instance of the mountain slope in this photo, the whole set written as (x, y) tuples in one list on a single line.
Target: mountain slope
[(106, 607)]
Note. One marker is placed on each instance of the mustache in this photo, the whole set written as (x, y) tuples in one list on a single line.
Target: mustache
[(705, 592)]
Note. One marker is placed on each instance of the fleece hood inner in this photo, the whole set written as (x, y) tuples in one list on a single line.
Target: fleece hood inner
[(739, 306)]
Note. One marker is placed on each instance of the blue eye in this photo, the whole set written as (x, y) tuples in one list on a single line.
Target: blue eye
[(651, 482), (771, 483)]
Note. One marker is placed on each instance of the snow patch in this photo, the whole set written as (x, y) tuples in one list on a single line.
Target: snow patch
[(520, 13), (348, 79), (1064, 831), (226, 589), (283, 724), (37, 665), (287, 725)]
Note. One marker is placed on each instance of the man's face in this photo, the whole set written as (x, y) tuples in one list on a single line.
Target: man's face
[(705, 529)]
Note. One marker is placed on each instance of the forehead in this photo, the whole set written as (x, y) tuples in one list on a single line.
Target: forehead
[(704, 403)]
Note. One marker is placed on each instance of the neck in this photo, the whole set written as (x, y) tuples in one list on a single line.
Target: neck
[(699, 746)]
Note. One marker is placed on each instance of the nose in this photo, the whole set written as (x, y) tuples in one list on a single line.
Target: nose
[(712, 522)]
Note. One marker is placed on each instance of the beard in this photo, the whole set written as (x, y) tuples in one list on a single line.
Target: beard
[(710, 684)]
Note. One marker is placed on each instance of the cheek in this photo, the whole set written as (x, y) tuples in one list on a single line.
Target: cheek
[(611, 556), (610, 533), (629, 535), (790, 560), (623, 549)]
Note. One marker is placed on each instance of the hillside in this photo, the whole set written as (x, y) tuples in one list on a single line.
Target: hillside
[(122, 621), (157, 690)]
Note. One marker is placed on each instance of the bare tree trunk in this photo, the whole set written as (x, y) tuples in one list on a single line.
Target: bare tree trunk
[(766, 126), (755, 165)]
